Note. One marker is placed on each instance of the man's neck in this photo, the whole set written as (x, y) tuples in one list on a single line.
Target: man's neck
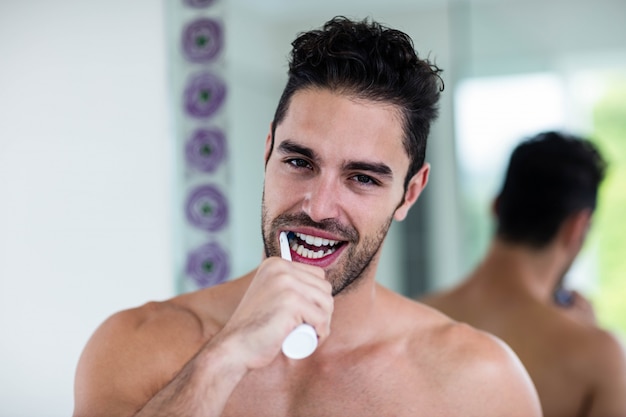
[(520, 269), (354, 314)]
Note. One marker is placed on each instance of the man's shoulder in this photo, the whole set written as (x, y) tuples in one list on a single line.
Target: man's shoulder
[(156, 328), (603, 351), (597, 357), (135, 351), (474, 365), (462, 344), (154, 316), (138, 350), (175, 325), (583, 340), (194, 313)]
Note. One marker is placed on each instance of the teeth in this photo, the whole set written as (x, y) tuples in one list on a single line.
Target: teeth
[(314, 241)]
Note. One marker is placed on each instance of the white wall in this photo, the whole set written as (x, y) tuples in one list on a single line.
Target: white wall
[(257, 74), (85, 178)]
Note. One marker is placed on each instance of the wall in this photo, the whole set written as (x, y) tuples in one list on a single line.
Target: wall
[(85, 184), (495, 38)]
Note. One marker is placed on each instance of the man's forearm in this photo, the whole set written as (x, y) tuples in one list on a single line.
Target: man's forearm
[(201, 388)]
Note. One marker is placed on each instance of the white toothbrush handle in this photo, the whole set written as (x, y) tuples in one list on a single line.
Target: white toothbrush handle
[(302, 341)]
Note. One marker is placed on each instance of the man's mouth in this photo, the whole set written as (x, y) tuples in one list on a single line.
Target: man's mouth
[(312, 247)]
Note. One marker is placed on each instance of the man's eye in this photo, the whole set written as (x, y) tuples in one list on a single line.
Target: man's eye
[(364, 179), (299, 163)]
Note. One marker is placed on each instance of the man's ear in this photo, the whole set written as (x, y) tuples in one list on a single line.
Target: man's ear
[(413, 190), (575, 228), (268, 145), (495, 206)]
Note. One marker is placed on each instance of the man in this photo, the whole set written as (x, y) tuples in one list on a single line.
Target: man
[(343, 158), (543, 213)]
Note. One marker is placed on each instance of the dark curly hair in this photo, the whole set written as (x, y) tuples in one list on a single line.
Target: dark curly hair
[(550, 176), (369, 61)]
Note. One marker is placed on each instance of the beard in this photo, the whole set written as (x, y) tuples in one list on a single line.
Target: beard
[(356, 260)]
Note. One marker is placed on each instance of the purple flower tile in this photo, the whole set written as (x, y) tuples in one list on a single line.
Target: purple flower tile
[(202, 40), (207, 208), (199, 4), (206, 149), (208, 265), (204, 94)]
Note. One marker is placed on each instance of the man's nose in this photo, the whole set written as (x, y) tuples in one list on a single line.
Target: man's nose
[(322, 198)]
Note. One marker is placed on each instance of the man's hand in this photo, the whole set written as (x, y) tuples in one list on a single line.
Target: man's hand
[(575, 305), (281, 296)]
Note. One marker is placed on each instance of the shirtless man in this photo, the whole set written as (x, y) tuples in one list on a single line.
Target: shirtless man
[(543, 213), (343, 158)]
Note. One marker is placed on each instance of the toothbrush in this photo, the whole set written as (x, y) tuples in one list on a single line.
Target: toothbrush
[(302, 341)]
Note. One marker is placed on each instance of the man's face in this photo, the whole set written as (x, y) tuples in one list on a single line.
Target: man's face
[(335, 182)]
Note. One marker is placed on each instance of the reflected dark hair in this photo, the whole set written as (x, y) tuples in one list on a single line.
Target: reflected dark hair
[(370, 61), (550, 176)]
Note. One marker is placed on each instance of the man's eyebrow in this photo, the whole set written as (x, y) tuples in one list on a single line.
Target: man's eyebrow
[(377, 168), (288, 146)]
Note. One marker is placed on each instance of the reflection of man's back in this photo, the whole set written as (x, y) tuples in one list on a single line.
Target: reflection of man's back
[(542, 215)]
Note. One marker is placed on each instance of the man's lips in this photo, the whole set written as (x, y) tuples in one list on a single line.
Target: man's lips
[(312, 248)]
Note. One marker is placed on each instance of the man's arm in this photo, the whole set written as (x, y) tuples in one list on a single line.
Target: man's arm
[(132, 363), (609, 398), (201, 388), (162, 359)]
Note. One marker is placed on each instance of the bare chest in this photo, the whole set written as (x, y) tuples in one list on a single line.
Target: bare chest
[(367, 389)]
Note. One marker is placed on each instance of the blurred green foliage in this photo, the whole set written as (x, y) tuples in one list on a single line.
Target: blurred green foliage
[(609, 121)]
